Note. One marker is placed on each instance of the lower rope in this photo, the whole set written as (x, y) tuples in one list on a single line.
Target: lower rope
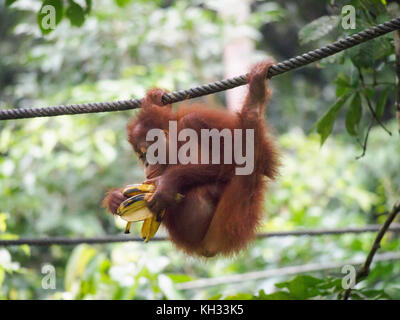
[(122, 238)]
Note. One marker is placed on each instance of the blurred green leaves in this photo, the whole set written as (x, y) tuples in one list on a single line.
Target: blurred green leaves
[(381, 103), (75, 14), (354, 114), (367, 64), (122, 3), (77, 263), (318, 28), (54, 172), (325, 124), (307, 287), (49, 15), (10, 2), (3, 225), (52, 12)]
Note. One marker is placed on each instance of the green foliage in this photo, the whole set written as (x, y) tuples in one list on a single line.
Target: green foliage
[(372, 61), (44, 16), (266, 13), (318, 28), (3, 225), (305, 287), (54, 172), (122, 3), (77, 264), (325, 124), (354, 114), (75, 14), (381, 103)]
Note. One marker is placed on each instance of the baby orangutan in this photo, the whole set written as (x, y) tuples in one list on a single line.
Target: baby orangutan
[(220, 210)]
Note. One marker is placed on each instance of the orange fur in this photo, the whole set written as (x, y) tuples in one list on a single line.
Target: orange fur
[(221, 211)]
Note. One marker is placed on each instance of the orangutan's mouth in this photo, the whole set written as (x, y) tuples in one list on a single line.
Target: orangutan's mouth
[(153, 175)]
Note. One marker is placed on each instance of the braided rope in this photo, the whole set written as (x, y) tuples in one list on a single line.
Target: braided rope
[(214, 87), (121, 238)]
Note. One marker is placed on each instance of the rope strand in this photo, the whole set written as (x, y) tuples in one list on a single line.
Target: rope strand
[(210, 88), (120, 238)]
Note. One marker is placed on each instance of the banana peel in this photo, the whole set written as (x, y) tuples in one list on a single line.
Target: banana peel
[(135, 189), (150, 227), (128, 227)]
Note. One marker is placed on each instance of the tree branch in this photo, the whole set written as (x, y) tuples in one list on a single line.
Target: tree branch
[(364, 144), (371, 109), (365, 268)]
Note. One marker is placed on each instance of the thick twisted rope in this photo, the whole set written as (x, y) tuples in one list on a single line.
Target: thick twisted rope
[(121, 238), (214, 87)]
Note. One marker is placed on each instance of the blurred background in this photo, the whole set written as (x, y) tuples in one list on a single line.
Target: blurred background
[(54, 172)]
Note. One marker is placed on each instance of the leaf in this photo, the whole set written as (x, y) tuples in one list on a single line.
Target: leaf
[(302, 279), (50, 15), (75, 14), (342, 84), (353, 116), (2, 275), (325, 124), (362, 55), (3, 225), (302, 287), (371, 294), (167, 287), (318, 28), (266, 13), (88, 6), (354, 78), (25, 249), (278, 295), (375, 6), (122, 3), (239, 296), (77, 263), (10, 2), (178, 278), (381, 103)]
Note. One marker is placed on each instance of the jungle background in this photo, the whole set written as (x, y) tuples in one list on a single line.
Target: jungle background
[(55, 171)]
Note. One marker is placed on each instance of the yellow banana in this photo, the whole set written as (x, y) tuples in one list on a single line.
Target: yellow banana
[(150, 227), (145, 228), (128, 227), (135, 189), (134, 209)]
